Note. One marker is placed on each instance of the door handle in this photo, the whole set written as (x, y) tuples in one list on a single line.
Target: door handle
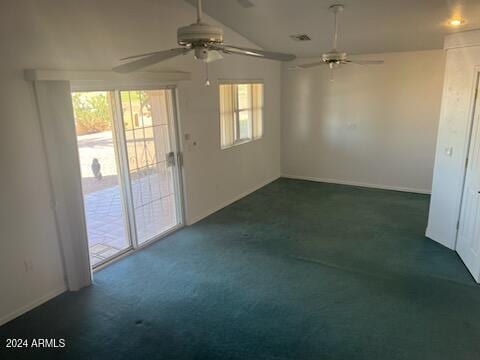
[(170, 158)]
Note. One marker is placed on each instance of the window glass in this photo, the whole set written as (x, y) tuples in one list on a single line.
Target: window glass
[(241, 113)]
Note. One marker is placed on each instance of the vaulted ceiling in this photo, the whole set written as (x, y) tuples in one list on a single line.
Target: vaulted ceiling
[(366, 26)]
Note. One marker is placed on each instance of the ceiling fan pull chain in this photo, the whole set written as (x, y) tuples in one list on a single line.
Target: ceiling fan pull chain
[(207, 80)]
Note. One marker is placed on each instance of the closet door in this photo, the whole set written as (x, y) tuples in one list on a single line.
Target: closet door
[(468, 240)]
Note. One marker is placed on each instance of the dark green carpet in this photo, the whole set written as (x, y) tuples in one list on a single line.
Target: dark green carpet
[(297, 270)]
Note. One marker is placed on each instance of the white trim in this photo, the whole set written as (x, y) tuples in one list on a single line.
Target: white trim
[(103, 75), (231, 201), (86, 86), (241, 142), (240, 81), (356, 183), (462, 39), (180, 148), (30, 306)]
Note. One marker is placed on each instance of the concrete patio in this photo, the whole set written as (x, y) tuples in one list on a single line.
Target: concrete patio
[(106, 225), (153, 199)]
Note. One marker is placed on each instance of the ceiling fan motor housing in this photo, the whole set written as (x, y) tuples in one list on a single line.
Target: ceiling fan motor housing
[(334, 57), (199, 34)]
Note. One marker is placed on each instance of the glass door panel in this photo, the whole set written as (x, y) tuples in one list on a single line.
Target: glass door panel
[(98, 156), (150, 135)]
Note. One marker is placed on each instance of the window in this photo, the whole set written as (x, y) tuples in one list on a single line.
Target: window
[(241, 113)]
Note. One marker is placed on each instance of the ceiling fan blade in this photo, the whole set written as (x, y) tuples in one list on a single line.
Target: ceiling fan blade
[(308, 66), (228, 49), (213, 55), (366, 62), (245, 3), (150, 59), (147, 54)]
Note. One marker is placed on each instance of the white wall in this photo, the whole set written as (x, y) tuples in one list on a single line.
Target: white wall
[(215, 177), (89, 34), (373, 126), (461, 72)]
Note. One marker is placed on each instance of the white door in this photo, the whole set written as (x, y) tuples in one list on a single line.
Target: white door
[(468, 240)]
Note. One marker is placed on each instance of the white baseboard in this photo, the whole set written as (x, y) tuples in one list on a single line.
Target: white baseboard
[(226, 203), (355, 183), (22, 310)]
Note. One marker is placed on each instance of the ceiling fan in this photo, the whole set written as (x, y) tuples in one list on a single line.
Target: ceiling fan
[(206, 41), (335, 58)]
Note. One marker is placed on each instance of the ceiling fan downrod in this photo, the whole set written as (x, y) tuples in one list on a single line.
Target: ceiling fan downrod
[(199, 11), (335, 9)]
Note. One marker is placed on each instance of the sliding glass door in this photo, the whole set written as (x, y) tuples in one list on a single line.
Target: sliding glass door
[(128, 149), (148, 126)]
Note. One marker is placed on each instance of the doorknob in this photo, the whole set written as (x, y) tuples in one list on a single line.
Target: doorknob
[(170, 158)]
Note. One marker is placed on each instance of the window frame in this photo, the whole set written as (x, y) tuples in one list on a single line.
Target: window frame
[(236, 111)]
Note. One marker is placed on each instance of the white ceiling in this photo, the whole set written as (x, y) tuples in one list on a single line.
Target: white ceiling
[(367, 26)]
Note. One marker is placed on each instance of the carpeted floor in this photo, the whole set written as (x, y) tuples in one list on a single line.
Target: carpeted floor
[(297, 270)]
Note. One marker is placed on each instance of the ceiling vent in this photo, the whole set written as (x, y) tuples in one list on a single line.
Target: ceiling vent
[(300, 37)]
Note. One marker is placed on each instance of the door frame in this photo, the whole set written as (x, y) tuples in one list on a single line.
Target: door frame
[(124, 176)]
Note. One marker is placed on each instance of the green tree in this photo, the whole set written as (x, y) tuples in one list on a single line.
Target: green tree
[(92, 112)]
